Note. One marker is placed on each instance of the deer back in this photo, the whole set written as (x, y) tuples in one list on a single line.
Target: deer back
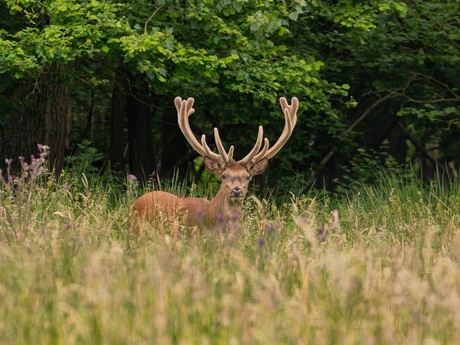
[(158, 206), (153, 206)]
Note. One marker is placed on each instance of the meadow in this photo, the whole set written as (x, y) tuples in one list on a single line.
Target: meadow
[(377, 266)]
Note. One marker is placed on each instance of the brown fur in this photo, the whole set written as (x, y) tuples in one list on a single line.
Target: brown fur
[(222, 213)]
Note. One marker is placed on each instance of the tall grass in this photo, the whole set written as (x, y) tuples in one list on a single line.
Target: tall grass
[(380, 266)]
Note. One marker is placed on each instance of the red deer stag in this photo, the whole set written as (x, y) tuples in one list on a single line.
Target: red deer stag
[(225, 209)]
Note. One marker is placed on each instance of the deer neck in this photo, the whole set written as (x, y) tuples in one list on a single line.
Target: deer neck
[(223, 211)]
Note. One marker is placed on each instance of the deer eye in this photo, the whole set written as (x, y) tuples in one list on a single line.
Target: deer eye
[(224, 177), (248, 178)]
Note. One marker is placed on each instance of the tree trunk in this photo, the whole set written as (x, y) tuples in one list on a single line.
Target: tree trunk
[(174, 157), (117, 125), (43, 117), (140, 141)]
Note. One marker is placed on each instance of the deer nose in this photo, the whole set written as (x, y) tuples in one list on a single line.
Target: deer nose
[(237, 192)]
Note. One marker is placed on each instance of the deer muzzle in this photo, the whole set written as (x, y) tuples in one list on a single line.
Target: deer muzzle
[(236, 195)]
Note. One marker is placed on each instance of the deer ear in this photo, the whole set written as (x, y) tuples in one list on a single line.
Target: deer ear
[(259, 167), (212, 166)]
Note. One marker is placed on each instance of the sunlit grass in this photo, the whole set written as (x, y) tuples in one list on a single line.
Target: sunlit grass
[(380, 266)]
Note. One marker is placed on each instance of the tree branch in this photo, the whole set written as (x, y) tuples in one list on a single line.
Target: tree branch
[(419, 146), (342, 135), (150, 18)]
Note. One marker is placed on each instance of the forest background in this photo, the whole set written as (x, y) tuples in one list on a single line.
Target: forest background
[(378, 83), (346, 258)]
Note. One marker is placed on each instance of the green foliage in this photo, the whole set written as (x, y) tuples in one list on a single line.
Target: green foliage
[(404, 50), (431, 112), (243, 55), (366, 168), (83, 161), (365, 16), (232, 41)]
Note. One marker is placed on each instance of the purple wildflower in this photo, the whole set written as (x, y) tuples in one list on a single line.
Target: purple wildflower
[(8, 169), (236, 216), (321, 233), (132, 177), (269, 229), (44, 151), (261, 241)]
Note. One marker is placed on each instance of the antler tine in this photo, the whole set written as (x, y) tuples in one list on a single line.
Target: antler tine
[(256, 147), (214, 156), (292, 108), (227, 157), (264, 149), (290, 116), (184, 110)]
